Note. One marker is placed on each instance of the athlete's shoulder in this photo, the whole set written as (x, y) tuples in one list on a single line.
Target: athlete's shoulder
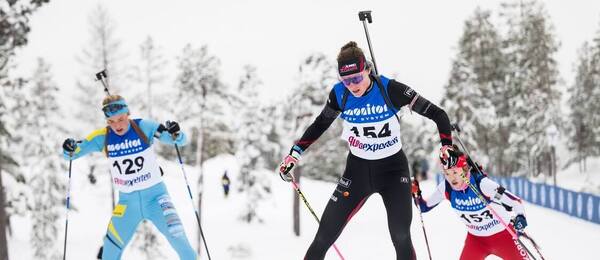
[(336, 95), (397, 88), (98, 133), (384, 80)]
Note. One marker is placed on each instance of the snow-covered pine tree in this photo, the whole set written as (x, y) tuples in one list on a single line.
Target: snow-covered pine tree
[(475, 86), (148, 75), (251, 137), (584, 136), (103, 51), (594, 100), (580, 134), (198, 82), (323, 160), (13, 34), (419, 140), (39, 136), (533, 82), (315, 77)]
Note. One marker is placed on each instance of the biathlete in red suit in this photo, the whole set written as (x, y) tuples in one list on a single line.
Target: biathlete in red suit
[(486, 233)]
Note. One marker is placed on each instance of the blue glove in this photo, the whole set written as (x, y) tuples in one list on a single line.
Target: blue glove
[(519, 222)]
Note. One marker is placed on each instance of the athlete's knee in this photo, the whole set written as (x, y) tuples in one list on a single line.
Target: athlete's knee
[(323, 241), (110, 250), (319, 247), (187, 253), (401, 239)]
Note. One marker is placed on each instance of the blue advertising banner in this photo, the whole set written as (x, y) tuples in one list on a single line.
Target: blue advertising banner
[(577, 204)]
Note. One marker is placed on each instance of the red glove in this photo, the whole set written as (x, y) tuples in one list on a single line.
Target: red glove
[(288, 163), (415, 189)]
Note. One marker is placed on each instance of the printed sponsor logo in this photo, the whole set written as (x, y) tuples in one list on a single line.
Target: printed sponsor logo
[(522, 251), (467, 202), (353, 142), (366, 110), (409, 92), (173, 222), (344, 182), (404, 179), (127, 144), (136, 180), (485, 227), (119, 210), (348, 67), (334, 198)]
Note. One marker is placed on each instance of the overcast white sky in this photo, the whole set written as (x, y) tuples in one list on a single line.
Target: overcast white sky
[(415, 40)]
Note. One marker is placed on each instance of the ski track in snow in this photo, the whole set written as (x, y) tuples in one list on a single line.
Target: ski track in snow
[(366, 236)]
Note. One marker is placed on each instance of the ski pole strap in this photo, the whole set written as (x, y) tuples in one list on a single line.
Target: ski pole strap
[(385, 96)]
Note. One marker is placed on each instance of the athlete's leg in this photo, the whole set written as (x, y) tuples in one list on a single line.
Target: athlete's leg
[(162, 213), (474, 248), (507, 248), (123, 223), (394, 177), (349, 196)]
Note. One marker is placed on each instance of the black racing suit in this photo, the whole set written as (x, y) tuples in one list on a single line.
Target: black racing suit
[(388, 176)]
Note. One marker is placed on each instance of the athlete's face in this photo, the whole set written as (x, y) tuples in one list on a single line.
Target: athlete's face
[(455, 177), (354, 83), (119, 123)]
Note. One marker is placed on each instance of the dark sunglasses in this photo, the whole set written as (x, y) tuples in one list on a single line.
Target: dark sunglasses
[(353, 80)]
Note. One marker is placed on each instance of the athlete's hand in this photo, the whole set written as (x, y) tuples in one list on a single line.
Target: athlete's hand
[(448, 156), (415, 189), (519, 222), (288, 163), (172, 127), (69, 145)]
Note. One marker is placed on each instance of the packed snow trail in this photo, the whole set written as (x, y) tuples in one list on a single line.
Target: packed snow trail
[(560, 236)]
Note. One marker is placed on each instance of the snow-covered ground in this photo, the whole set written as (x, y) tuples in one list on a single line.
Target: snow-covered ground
[(366, 236)]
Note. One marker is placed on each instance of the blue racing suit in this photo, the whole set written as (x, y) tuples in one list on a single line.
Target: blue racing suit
[(142, 193)]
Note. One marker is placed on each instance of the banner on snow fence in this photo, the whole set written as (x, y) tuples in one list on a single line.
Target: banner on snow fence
[(578, 204)]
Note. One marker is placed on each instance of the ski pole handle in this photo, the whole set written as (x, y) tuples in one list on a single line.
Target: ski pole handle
[(456, 127), (362, 15), (103, 77), (365, 16)]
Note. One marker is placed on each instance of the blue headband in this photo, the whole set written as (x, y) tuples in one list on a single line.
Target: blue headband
[(115, 108)]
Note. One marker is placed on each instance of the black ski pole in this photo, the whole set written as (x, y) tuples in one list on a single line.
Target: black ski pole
[(192, 198), (514, 235), (422, 224), (312, 212), (535, 245), (68, 202), (103, 77), (365, 16)]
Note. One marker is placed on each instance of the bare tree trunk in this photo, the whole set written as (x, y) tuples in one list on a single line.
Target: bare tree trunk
[(3, 218), (554, 166), (296, 205)]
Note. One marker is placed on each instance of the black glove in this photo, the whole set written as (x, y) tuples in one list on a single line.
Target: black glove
[(69, 145), (172, 127)]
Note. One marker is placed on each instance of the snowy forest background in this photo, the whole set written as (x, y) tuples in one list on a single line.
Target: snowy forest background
[(504, 88)]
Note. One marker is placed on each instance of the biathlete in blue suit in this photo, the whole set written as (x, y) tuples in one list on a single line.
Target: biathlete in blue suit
[(135, 173)]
